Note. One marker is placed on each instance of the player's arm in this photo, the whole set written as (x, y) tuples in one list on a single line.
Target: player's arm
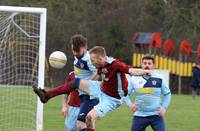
[(133, 71), (133, 106), (65, 99), (64, 105), (166, 95), (126, 99), (166, 98), (165, 104), (95, 76), (139, 72)]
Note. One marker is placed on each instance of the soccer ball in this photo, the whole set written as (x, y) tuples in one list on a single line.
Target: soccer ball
[(57, 59)]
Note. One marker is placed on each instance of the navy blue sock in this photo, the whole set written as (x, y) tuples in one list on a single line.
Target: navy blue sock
[(83, 129), (75, 83)]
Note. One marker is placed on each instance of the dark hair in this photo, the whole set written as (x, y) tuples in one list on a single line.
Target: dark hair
[(77, 41), (148, 57), (98, 50)]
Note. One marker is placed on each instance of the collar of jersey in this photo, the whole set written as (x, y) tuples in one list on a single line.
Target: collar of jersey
[(109, 59), (84, 57)]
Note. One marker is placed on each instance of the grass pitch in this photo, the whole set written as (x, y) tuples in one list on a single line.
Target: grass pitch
[(182, 115)]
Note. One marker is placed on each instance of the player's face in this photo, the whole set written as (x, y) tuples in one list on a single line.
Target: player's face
[(97, 61), (79, 54), (147, 64)]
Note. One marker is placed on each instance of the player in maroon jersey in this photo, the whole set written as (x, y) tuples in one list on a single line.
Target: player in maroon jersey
[(70, 109), (110, 91)]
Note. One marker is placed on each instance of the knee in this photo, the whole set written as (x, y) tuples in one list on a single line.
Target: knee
[(80, 125), (89, 119)]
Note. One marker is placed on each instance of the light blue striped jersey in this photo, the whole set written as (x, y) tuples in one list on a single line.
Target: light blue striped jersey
[(148, 91), (83, 68)]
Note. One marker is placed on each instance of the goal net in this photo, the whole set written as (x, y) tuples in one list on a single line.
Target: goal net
[(22, 56)]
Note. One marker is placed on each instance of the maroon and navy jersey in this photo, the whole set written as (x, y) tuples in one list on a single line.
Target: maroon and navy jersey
[(74, 95), (110, 84)]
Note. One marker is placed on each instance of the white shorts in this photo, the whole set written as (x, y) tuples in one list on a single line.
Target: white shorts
[(106, 103)]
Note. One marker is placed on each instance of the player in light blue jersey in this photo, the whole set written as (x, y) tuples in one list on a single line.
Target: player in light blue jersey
[(83, 69), (148, 107)]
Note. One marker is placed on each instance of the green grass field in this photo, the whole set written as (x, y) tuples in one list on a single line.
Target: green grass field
[(182, 115), (17, 108)]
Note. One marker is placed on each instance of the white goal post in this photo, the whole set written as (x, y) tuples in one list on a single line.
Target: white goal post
[(22, 64)]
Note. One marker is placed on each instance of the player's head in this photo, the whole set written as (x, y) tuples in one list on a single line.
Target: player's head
[(79, 45), (98, 56), (148, 62)]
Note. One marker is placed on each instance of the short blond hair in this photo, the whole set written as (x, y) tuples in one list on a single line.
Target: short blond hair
[(98, 50)]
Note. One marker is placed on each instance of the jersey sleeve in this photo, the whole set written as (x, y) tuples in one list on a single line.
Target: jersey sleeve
[(131, 86), (164, 88), (121, 66), (166, 95)]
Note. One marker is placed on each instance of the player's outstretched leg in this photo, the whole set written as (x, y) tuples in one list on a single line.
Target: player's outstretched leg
[(41, 94), (59, 90)]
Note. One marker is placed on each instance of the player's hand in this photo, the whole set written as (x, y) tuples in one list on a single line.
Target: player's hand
[(162, 112), (64, 111), (148, 72), (134, 107)]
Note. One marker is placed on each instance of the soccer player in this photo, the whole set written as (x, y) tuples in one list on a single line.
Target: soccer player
[(195, 80), (71, 109), (148, 107), (83, 69), (110, 90)]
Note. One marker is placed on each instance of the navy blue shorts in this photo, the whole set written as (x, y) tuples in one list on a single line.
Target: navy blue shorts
[(86, 105), (140, 123)]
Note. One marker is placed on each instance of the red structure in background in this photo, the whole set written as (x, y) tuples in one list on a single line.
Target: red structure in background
[(169, 47), (146, 39), (156, 40), (185, 47)]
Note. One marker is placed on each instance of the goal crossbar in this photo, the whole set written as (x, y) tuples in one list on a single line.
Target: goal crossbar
[(23, 9)]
